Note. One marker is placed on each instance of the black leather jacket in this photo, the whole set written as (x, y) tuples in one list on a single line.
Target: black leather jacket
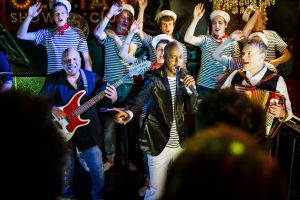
[(155, 131)]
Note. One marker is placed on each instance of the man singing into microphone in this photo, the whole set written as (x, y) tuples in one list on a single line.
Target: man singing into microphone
[(163, 131)]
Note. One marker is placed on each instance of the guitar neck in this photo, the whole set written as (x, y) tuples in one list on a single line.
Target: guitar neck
[(97, 98)]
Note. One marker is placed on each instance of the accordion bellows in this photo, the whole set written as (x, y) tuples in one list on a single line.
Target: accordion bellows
[(263, 98)]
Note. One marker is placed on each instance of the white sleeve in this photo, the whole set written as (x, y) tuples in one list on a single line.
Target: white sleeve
[(282, 89), (228, 81), (129, 113)]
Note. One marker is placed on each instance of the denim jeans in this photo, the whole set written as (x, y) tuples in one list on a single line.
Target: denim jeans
[(93, 159), (109, 132)]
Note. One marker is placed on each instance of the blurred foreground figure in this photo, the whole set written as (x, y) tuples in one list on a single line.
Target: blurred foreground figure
[(223, 162), (235, 109), (34, 162)]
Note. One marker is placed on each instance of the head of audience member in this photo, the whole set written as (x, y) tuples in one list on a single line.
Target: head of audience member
[(71, 62), (234, 108), (173, 53), (158, 43), (166, 20), (224, 162), (35, 166), (253, 54), (219, 20), (60, 10), (125, 18)]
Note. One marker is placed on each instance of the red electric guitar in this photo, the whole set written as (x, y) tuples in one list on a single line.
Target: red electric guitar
[(73, 109)]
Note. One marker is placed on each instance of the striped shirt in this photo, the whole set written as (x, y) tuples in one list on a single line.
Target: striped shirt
[(114, 66), (210, 68), (174, 138), (275, 44), (55, 44)]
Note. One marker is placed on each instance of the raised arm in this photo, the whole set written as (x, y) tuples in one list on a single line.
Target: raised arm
[(189, 34), (286, 55), (251, 23), (218, 53), (124, 49), (142, 6), (114, 36), (99, 33), (87, 61), (33, 11)]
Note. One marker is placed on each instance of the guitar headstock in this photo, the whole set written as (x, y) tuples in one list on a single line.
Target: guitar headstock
[(139, 67)]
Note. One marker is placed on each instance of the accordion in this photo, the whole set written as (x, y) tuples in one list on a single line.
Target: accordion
[(264, 98)]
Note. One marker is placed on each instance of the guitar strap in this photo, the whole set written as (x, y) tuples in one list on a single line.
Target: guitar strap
[(85, 84)]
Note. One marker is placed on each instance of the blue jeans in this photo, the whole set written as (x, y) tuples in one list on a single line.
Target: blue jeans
[(109, 132), (93, 159)]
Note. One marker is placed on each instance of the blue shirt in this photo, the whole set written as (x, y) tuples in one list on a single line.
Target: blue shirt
[(60, 91), (4, 67)]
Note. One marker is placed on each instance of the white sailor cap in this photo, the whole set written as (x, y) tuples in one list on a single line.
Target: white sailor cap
[(129, 8), (160, 37), (166, 13), (65, 2), (221, 13)]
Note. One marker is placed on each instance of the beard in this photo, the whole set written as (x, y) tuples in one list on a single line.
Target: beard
[(71, 69)]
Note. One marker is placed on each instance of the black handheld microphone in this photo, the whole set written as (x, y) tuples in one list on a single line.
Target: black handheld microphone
[(182, 73)]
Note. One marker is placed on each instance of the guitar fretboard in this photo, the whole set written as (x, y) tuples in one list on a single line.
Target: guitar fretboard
[(96, 98), (138, 68)]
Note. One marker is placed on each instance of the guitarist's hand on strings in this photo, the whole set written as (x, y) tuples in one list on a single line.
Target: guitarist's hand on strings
[(122, 117), (110, 92), (58, 113)]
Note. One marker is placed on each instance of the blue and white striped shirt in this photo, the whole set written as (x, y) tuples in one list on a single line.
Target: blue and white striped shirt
[(55, 44)]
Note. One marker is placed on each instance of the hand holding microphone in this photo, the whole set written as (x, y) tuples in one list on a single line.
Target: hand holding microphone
[(187, 80)]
